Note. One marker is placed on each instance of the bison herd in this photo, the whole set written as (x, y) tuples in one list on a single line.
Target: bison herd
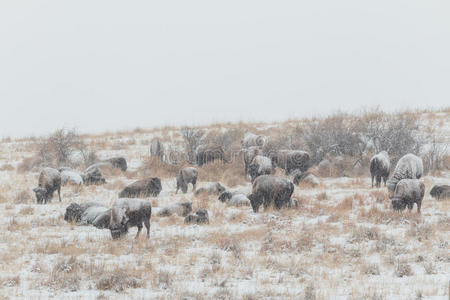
[(129, 210)]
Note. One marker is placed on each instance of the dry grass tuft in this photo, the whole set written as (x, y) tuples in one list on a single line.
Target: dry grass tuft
[(345, 205), (118, 281), (22, 197), (403, 269), (27, 210), (155, 167)]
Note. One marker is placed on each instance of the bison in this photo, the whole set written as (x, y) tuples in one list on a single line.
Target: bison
[(157, 148), (249, 154), (251, 139), (268, 189), (200, 217), (185, 176), (181, 209), (407, 192), (380, 167), (260, 165), (118, 162), (440, 191), (49, 182), (290, 160), (305, 177), (94, 176), (88, 213), (126, 213), (70, 177), (142, 188), (211, 188), (408, 167), (208, 153)]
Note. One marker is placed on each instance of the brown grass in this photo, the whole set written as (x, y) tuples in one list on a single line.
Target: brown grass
[(22, 197)]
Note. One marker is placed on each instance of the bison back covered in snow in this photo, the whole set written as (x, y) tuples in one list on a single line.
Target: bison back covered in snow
[(208, 153), (268, 190), (380, 167), (49, 182), (251, 139), (142, 188), (407, 192), (290, 160), (260, 165), (409, 166)]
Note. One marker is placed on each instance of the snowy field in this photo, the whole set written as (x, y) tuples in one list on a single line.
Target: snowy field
[(343, 242)]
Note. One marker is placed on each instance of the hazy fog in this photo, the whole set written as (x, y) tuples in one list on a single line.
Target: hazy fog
[(108, 65)]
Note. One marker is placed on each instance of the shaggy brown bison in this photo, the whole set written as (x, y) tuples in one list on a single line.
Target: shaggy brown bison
[(185, 176), (407, 192), (290, 160), (380, 166), (408, 167), (49, 182), (440, 191), (126, 213), (268, 190), (118, 162), (142, 188), (208, 153)]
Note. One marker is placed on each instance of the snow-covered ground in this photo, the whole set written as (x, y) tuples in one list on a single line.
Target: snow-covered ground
[(343, 242)]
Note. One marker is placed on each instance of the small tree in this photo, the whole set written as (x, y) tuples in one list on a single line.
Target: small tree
[(192, 139)]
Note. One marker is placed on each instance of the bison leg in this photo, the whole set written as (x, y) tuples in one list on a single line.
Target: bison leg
[(139, 226), (147, 225), (372, 181), (419, 204), (59, 193)]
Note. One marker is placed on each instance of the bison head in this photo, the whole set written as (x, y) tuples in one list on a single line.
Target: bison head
[(118, 224), (398, 204), (73, 213), (220, 188), (435, 191), (225, 196), (255, 202), (187, 208), (41, 194)]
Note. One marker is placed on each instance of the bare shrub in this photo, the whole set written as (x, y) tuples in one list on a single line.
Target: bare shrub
[(118, 281), (153, 166), (22, 197), (64, 275), (192, 138), (10, 281), (28, 210), (403, 269)]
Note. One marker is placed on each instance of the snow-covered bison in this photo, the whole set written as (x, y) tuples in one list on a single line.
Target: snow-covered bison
[(49, 182), (185, 176), (268, 190), (260, 165), (407, 192), (380, 167), (118, 162), (249, 154), (142, 188), (290, 160), (90, 213), (208, 153), (409, 166), (251, 139)]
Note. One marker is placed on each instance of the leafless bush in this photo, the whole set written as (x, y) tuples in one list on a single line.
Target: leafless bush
[(435, 153), (118, 281), (192, 138)]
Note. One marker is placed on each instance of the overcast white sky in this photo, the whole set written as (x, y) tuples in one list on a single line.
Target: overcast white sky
[(109, 65)]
